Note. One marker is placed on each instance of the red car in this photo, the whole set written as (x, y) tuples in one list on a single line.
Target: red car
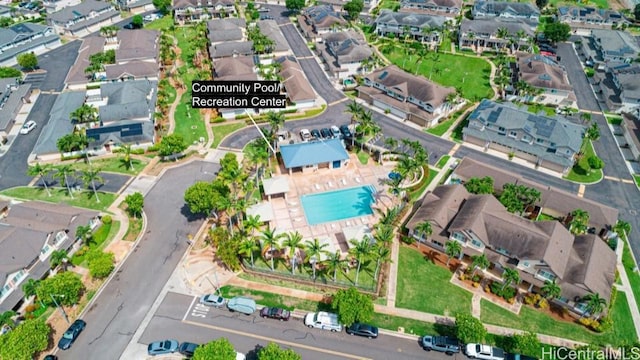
[(275, 313)]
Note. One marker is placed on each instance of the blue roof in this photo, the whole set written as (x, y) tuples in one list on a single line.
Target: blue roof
[(312, 153)]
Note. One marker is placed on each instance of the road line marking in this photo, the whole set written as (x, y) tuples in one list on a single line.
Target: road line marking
[(627, 181), (581, 190), (454, 149), (189, 309), (338, 101), (611, 178), (268, 339)]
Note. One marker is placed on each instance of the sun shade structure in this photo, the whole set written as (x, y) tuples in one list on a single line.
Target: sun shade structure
[(314, 154), (264, 210), (276, 185)]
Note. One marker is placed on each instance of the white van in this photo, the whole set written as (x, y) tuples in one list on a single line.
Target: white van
[(323, 320)]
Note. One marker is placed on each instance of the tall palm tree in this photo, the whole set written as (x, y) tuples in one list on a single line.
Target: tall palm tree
[(271, 242), (334, 263), (579, 221), (126, 156), (89, 177), (63, 171), (389, 216), (452, 248), (585, 117), (551, 289), (361, 251), (247, 248), (384, 234), (622, 227), (83, 232), (391, 143), (355, 109), (594, 304), (29, 287), (479, 262), (510, 276), (41, 170), (57, 257), (293, 241), (251, 224), (84, 114), (424, 229), (315, 249), (382, 255)]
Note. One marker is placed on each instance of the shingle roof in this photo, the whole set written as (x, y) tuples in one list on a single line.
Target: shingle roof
[(13, 35), (220, 30), (543, 72), (626, 76), (440, 206), (323, 16), (523, 9), (83, 9), (231, 48), (90, 45), (271, 29), (138, 44), (491, 26), (589, 14), (591, 267), (137, 69), (59, 123), (178, 4), (387, 16), (233, 66), (312, 153), (127, 100), (437, 3), (295, 83), (13, 102), (616, 43)]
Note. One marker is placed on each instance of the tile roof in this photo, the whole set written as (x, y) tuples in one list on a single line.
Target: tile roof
[(312, 153)]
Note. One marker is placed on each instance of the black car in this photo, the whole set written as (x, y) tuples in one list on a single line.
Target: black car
[(326, 133), (50, 357), (344, 129), (316, 133), (547, 48), (363, 330), (71, 334), (187, 349), (445, 344), (275, 313), (518, 357)]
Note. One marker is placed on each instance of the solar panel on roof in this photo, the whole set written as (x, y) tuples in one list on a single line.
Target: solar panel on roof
[(493, 117), (20, 28), (383, 75), (76, 14)]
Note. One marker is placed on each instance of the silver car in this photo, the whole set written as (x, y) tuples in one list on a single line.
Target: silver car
[(213, 300)]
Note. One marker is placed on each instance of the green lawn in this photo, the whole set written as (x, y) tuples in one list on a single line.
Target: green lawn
[(160, 24), (83, 199), (441, 128), (530, 319), (630, 268), (614, 119), (602, 4), (581, 172), (100, 236), (416, 191), (272, 300), (220, 131), (469, 74), (363, 156), (113, 164), (411, 326), (537, 108), (636, 177), (443, 161), (424, 286), (189, 123)]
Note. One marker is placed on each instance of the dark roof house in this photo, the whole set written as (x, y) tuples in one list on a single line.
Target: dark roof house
[(504, 9), (589, 17), (188, 11), (222, 30), (13, 95), (319, 19), (25, 37), (81, 18), (344, 52), (448, 8), (295, 83)]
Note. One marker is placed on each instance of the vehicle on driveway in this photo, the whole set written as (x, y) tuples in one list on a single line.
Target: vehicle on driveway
[(71, 334), (162, 347), (187, 349), (483, 352), (361, 329), (242, 304), (50, 357), (28, 127), (326, 133), (275, 313), (213, 300), (445, 344)]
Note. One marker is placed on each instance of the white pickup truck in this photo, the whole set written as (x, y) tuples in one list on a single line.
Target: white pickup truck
[(323, 320), (484, 352)]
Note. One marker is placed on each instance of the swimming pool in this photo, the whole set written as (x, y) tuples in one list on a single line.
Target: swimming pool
[(338, 205)]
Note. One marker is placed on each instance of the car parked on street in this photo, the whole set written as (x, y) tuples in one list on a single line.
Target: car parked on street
[(483, 352), (335, 132), (71, 334), (275, 313), (344, 129), (213, 300), (445, 344), (187, 349), (361, 329), (316, 133), (28, 127), (242, 304), (305, 134), (162, 347), (326, 133)]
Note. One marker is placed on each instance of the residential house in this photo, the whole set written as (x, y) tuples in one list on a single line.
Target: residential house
[(410, 97), (231, 49), (621, 86), (338, 5), (13, 95), (344, 53), (58, 125), (76, 77), (296, 86), (82, 19), (271, 30), (423, 27), (188, 11), (539, 250), (239, 68), (546, 74), (6, 11), (589, 17), (448, 8), (29, 233), (227, 38), (320, 19), (25, 37), (548, 142), (487, 34), (613, 45), (135, 6), (508, 10), (628, 135), (52, 6)]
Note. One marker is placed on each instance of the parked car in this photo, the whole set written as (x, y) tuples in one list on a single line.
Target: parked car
[(71, 334), (275, 313), (187, 349), (50, 357), (28, 127), (242, 304), (212, 300), (484, 352), (361, 329), (445, 344), (316, 133), (335, 132), (266, 17), (323, 320), (344, 129), (518, 357), (162, 347), (326, 133), (305, 134)]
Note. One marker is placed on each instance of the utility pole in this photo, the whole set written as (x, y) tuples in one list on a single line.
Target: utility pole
[(64, 314)]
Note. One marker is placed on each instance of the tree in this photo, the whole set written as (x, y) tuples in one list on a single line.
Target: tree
[(452, 248), (353, 8), (294, 5), (352, 306), (56, 257), (594, 304), (551, 290), (622, 227), (334, 263), (541, 3), (479, 262), (28, 60), (171, 145), (201, 198), (293, 241), (6, 319), (100, 263), (135, 203), (593, 132), (274, 352), (219, 349), (585, 117), (526, 344), (29, 287), (361, 251), (595, 162), (84, 114), (579, 221), (65, 286), (42, 171), (9, 72), (247, 247), (84, 233), (424, 229), (382, 255), (636, 12), (25, 341), (90, 177), (271, 242), (557, 31), (163, 6), (315, 249), (137, 22), (62, 173), (126, 151), (72, 142), (356, 110), (479, 185), (469, 329), (510, 276)]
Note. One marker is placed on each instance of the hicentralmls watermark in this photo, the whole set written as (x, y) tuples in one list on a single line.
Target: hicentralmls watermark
[(564, 353)]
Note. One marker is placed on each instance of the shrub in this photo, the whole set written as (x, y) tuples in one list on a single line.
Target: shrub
[(605, 324), (408, 239), (496, 288), (100, 264), (463, 277), (532, 299), (508, 293), (217, 120), (475, 284), (82, 251), (107, 219), (476, 278), (613, 243), (30, 308), (544, 304)]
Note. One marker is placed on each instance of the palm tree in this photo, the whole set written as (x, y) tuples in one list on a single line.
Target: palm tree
[(83, 232), (57, 257), (502, 33), (622, 227), (84, 114), (63, 171), (579, 221), (585, 117), (382, 254), (252, 223), (315, 249), (453, 249), (29, 288), (334, 263), (389, 216), (424, 229), (42, 171), (510, 276), (593, 132), (479, 262), (355, 109), (551, 289), (247, 247), (391, 143), (384, 234), (89, 177), (361, 250), (293, 241), (271, 242), (126, 156), (594, 304)]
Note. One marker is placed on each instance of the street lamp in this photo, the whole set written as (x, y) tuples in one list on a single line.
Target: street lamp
[(64, 314)]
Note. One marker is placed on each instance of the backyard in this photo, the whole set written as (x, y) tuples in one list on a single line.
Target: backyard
[(84, 199), (421, 285), (581, 171)]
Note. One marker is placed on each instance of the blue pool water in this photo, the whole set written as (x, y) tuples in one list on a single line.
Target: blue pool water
[(338, 205)]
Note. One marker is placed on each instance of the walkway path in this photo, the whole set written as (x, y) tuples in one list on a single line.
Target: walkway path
[(626, 288)]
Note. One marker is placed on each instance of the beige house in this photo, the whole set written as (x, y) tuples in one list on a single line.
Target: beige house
[(546, 74), (448, 8), (320, 19)]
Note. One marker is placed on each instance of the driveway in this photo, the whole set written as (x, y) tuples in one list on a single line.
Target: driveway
[(57, 64), (118, 311)]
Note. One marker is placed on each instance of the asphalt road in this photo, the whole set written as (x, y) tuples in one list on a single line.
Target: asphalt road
[(57, 63), (180, 317), (120, 308)]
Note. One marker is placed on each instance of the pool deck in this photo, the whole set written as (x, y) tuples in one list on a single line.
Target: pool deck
[(289, 214)]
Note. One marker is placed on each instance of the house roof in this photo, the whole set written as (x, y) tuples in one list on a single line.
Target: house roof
[(233, 66), (408, 85), (127, 100), (271, 29), (122, 132), (543, 72), (232, 48), (400, 19), (139, 44), (276, 185), (626, 76), (323, 16), (18, 32), (295, 83), (18, 248), (591, 267), (262, 209), (348, 50), (178, 4), (491, 26), (90, 45), (616, 43), (59, 123), (589, 14), (83, 9), (229, 29), (312, 153), (437, 3), (440, 206), (137, 69), (13, 100), (498, 8)]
